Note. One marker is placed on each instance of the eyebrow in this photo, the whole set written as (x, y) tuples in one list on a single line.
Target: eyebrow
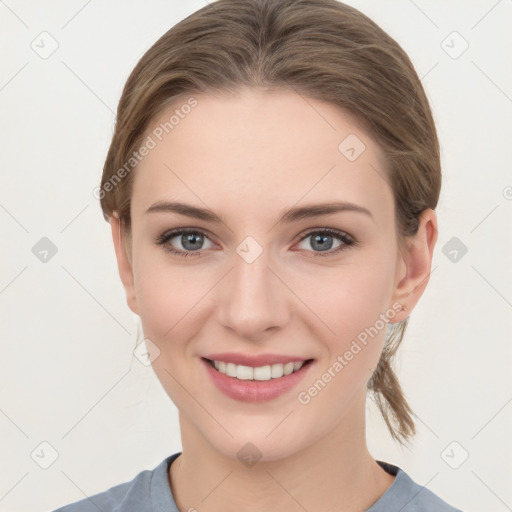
[(289, 216)]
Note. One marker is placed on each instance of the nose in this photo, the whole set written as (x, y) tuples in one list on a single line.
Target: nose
[(253, 301)]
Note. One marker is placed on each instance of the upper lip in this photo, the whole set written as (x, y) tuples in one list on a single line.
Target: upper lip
[(254, 360)]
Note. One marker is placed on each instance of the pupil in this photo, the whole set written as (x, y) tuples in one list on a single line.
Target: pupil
[(320, 239), (191, 239)]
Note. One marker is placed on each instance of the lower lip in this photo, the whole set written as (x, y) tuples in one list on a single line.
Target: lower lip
[(255, 390)]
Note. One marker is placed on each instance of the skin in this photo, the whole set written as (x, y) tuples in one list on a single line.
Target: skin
[(248, 157)]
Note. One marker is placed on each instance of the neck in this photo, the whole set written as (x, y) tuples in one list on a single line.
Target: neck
[(336, 473)]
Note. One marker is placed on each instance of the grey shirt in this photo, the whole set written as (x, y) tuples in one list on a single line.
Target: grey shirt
[(150, 491)]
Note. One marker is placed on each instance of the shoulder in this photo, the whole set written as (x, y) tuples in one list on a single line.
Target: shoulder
[(148, 490), (407, 494)]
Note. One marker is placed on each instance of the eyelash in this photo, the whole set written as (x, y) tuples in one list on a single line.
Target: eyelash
[(347, 241)]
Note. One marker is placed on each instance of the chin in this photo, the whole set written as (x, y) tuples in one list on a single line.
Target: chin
[(265, 440)]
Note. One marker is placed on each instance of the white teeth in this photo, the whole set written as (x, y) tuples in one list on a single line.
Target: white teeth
[(230, 369), (268, 372), (288, 368), (277, 371), (244, 372), (262, 373)]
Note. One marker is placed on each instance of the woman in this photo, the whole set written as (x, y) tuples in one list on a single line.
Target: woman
[(271, 187)]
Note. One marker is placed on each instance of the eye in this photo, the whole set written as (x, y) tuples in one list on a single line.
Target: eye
[(191, 242), (322, 241)]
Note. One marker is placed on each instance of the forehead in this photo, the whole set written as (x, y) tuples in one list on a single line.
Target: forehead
[(258, 151)]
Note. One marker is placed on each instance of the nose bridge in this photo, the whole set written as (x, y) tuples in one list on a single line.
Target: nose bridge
[(254, 300)]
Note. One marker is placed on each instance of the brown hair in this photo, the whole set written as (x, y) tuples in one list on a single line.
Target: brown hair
[(322, 49)]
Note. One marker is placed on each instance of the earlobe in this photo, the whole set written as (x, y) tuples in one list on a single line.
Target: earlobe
[(417, 259), (123, 262)]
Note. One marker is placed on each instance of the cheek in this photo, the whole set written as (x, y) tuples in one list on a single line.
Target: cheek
[(347, 299), (353, 306), (167, 297), (353, 353), (169, 304)]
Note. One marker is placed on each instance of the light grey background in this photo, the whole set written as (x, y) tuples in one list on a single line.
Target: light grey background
[(68, 375)]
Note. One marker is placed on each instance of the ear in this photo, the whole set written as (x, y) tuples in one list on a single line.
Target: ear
[(416, 259), (124, 263)]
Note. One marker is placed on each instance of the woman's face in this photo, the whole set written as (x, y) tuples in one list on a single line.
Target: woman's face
[(263, 286)]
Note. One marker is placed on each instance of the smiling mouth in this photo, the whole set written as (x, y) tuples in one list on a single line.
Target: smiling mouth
[(259, 373)]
